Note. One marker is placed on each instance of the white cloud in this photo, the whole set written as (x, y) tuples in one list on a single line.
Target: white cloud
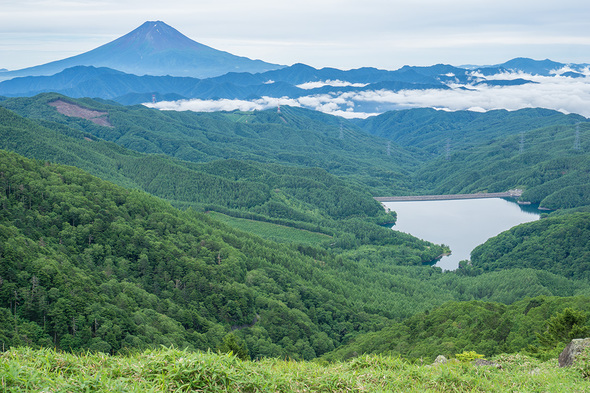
[(222, 105), (323, 103), (565, 94), (334, 83)]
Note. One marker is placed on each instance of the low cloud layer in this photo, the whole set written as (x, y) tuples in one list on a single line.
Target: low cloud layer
[(335, 83), (561, 93), (565, 94), (334, 105)]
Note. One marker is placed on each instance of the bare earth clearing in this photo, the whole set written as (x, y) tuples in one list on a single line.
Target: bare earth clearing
[(72, 110)]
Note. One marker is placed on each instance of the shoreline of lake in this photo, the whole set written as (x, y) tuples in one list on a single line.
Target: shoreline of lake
[(461, 224)]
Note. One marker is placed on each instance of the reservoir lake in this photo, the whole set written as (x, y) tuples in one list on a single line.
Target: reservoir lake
[(461, 224)]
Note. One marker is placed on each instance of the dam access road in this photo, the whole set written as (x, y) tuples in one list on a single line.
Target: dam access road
[(507, 194)]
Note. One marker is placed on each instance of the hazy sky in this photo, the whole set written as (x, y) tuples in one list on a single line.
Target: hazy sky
[(344, 34)]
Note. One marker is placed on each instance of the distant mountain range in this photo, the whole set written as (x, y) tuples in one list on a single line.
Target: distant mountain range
[(154, 48), (106, 83), (534, 67), (156, 61), (295, 81)]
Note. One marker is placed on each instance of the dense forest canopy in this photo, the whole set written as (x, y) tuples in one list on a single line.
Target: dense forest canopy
[(87, 264), (90, 265), (418, 151), (102, 265), (556, 244)]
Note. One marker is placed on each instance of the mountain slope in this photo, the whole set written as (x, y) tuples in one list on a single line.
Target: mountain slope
[(93, 265), (484, 148), (90, 265), (296, 136), (160, 276), (296, 81), (544, 162), (557, 244), (430, 129), (129, 89), (484, 327), (302, 199), (154, 48)]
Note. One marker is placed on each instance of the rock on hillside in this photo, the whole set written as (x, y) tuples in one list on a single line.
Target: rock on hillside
[(572, 350)]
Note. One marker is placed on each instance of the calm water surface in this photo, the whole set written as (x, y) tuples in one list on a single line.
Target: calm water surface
[(460, 224)]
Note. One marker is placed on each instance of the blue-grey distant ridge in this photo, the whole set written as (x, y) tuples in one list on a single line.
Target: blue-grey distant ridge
[(154, 48)]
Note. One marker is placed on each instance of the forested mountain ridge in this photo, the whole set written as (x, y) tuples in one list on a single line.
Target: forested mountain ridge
[(484, 327), (427, 153), (305, 198), (89, 265), (541, 151), (358, 269), (505, 150), (229, 183), (550, 164), (430, 129), (296, 136), (86, 264), (412, 162), (557, 244)]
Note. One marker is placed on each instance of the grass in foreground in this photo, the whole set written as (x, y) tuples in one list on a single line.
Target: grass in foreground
[(170, 370)]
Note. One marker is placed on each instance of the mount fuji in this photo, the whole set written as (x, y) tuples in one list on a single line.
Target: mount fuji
[(154, 48)]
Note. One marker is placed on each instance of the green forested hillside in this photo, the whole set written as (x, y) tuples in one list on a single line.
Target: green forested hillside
[(89, 265), (296, 137), (484, 327), (466, 152), (230, 183), (431, 129), (544, 163), (86, 264), (305, 198), (557, 244), (428, 151)]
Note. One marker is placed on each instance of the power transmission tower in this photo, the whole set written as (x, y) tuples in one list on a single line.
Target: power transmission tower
[(341, 132), (388, 148), (577, 138), (521, 144)]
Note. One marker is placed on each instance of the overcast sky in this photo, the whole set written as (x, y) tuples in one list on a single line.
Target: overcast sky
[(322, 33)]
